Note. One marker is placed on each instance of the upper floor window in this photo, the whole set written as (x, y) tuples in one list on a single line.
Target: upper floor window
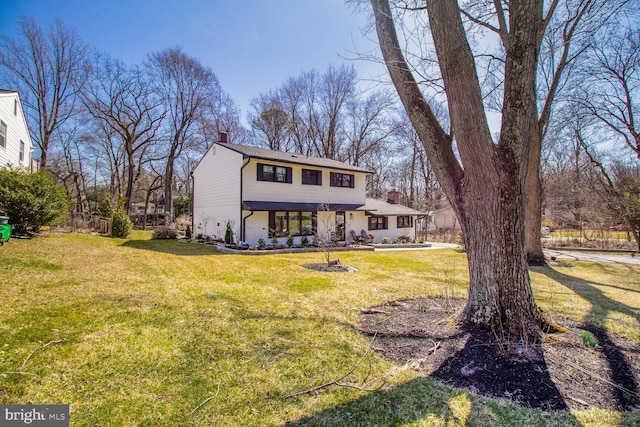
[(342, 180), (15, 107), (311, 177), (3, 134), (274, 173), (405, 221), (21, 155), (378, 223)]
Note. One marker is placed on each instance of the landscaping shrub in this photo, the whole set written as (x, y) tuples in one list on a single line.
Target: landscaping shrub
[(164, 232), (121, 223), (31, 200), (228, 234)]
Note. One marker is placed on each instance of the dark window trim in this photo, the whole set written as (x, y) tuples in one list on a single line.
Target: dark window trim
[(272, 224), (374, 223), (336, 179), (307, 181), (3, 134), (273, 176), (404, 221)]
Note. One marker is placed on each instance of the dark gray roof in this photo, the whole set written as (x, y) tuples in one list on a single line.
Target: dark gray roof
[(296, 206), (382, 207), (300, 159)]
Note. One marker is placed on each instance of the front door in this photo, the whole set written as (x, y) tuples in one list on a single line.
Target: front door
[(339, 225)]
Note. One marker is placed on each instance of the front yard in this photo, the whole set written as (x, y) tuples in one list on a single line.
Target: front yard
[(163, 333)]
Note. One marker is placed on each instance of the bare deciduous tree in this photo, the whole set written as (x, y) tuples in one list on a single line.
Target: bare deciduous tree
[(47, 69), (271, 120), (564, 36), (124, 102), (611, 92), (185, 86), (483, 180)]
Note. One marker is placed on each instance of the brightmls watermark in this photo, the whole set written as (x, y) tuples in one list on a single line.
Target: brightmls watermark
[(34, 415)]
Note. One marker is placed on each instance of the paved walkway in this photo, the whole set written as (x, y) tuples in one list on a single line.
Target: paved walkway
[(433, 245), (594, 257)]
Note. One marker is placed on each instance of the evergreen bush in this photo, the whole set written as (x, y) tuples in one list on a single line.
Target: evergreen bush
[(31, 200), (120, 223)]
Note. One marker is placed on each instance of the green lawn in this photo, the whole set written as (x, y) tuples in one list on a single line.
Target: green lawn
[(158, 333)]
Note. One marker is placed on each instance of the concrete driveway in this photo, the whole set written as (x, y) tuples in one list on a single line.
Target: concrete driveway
[(594, 257)]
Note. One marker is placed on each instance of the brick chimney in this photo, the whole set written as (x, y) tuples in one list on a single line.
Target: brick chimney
[(393, 196), (222, 137)]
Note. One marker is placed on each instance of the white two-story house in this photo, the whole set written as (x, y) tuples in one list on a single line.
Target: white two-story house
[(265, 194), (15, 141)]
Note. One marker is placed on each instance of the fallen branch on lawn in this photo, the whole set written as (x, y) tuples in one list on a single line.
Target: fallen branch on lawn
[(17, 373), (207, 399), (389, 301), (598, 377), (372, 311), (39, 348), (336, 381)]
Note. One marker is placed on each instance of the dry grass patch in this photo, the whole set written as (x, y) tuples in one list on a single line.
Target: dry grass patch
[(166, 333)]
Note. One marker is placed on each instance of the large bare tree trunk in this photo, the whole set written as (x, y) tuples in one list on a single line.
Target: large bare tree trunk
[(500, 294), (486, 188), (533, 211)]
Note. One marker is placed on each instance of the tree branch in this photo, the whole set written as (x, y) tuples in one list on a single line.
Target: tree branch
[(336, 381), (39, 348)]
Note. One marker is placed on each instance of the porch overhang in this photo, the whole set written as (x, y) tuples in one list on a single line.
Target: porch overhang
[(251, 205)]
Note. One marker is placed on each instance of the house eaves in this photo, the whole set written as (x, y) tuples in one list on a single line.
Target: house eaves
[(383, 208), (252, 205), (292, 158)]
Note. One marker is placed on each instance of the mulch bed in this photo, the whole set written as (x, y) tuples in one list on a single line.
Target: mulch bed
[(567, 373)]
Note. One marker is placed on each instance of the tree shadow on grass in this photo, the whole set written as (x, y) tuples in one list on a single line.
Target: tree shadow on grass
[(601, 306), (480, 370), (427, 401), (172, 247), (481, 367)]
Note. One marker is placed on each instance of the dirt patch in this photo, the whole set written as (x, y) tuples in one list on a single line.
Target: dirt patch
[(565, 373), (333, 268)]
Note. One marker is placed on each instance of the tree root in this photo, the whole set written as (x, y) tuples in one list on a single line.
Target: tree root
[(549, 326)]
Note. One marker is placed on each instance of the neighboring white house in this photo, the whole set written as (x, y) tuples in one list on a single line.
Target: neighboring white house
[(15, 141), (152, 208), (264, 194), (445, 220)]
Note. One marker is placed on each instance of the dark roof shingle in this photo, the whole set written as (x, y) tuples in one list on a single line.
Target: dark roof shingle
[(300, 159)]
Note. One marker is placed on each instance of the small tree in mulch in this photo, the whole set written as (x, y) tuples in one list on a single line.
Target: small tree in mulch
[(228, 234), (325, 237)]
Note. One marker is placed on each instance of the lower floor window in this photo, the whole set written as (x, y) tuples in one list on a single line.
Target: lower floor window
[(405, 221), (291, 223), (378, 223)]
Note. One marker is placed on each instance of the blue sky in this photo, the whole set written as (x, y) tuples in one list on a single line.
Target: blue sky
[(251, 45)]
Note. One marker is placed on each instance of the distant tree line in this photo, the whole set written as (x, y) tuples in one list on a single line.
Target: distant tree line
[(105, 129)]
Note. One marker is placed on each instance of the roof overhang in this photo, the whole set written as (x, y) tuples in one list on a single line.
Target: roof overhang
[(250, 205)]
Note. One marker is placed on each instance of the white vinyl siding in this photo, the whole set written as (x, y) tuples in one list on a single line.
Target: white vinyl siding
[(216, 192), (15, 142), (256, 190)]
